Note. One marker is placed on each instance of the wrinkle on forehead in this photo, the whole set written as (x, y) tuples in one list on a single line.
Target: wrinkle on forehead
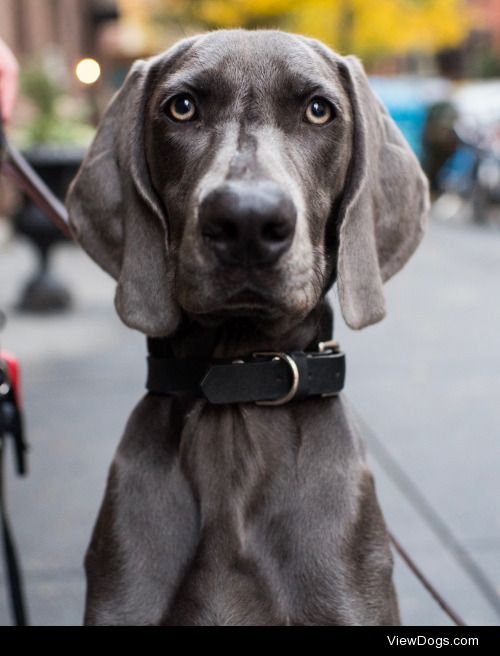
[(243, 64)]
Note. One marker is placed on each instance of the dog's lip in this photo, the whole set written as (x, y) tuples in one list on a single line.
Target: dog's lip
[(248, 306), (244, 303), (246, 298)]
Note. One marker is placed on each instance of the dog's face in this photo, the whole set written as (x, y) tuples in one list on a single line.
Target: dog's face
[(248, 139), (236, 173)]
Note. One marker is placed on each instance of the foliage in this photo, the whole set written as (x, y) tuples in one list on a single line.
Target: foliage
[(488, 64), (54, 117), (392, 27)]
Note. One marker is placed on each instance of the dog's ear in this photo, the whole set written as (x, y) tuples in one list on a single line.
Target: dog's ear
[(385, 203), (114, 212)]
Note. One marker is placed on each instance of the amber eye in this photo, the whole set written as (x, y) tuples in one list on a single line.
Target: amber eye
[(319, 111), (181, 108)]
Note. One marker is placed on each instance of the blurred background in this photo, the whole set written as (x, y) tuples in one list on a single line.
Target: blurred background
[(426, 380)]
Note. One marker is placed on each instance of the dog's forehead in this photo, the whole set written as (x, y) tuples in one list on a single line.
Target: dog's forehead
[(264, 59)]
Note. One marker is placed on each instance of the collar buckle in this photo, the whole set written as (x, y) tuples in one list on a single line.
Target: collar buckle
[(276, 355), (330, 345)]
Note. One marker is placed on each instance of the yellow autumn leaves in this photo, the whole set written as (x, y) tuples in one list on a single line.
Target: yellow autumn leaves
[(366, 27)]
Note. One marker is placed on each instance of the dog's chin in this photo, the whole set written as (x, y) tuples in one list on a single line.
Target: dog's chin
[(244, 305), (227, 299), (264, 311)]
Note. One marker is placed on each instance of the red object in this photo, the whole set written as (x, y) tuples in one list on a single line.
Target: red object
[(14, 374)]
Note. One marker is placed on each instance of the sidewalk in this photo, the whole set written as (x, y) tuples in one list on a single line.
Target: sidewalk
[(427, 380)]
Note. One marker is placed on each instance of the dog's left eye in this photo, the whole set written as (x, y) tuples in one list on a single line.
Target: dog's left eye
[(181, 108), (319, 111)]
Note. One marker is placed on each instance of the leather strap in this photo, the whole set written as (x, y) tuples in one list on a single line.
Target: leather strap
[(21, 173), (264, 378)]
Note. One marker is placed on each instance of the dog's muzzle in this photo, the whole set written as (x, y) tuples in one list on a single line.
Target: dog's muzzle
[(248, 223)]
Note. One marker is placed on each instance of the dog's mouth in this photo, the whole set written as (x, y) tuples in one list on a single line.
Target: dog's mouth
[(247, 298), (264, 297), (246, 303)]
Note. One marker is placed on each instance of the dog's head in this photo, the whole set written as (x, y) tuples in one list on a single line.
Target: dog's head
[(242, 173)]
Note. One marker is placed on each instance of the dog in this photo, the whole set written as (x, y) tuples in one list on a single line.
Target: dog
[(232, 181)]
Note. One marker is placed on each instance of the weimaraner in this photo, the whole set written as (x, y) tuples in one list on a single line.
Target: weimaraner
[(232, 181)]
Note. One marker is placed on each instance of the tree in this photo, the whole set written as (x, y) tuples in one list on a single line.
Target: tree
[(395, 27)]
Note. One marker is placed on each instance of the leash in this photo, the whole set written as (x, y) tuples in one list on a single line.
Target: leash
[(431, 517), (452, 614), (15, 167), (11, 420), (287, 368)]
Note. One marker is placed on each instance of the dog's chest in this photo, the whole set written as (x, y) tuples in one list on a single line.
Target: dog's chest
[(273, 516)]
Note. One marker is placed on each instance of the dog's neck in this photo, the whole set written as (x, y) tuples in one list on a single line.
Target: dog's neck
[(243, 336)]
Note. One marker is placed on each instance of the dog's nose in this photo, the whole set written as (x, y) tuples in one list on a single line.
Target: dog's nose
[(247, 223)]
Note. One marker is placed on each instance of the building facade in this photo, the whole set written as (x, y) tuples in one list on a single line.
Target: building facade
[(29, 26), (487, 19)]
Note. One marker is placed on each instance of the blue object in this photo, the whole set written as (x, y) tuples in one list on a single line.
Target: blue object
[(457, 173), (407, 99)]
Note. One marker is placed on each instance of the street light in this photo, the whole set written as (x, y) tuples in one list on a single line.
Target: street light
[(88, 71)]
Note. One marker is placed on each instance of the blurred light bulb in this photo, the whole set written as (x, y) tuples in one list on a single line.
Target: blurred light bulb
[(88, 71)]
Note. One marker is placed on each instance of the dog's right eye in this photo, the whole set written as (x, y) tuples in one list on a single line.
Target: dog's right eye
[(181, 108), (319, 111)]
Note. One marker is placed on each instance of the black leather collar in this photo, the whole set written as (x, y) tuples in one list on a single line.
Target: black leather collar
[(270, 378)]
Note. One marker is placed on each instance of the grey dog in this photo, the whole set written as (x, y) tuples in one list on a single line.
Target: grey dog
[(232, 181)]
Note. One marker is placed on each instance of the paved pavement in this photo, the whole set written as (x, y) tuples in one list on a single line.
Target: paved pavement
[(427, 380)]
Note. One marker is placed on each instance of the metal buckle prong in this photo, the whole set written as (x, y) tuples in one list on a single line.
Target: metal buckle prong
[(329, 345), (295, 373)]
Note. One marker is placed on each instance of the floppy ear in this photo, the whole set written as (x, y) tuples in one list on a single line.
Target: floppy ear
[(383, 211), (114, 212)]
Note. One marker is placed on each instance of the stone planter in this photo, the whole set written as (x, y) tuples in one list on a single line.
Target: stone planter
[(57, 166)]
